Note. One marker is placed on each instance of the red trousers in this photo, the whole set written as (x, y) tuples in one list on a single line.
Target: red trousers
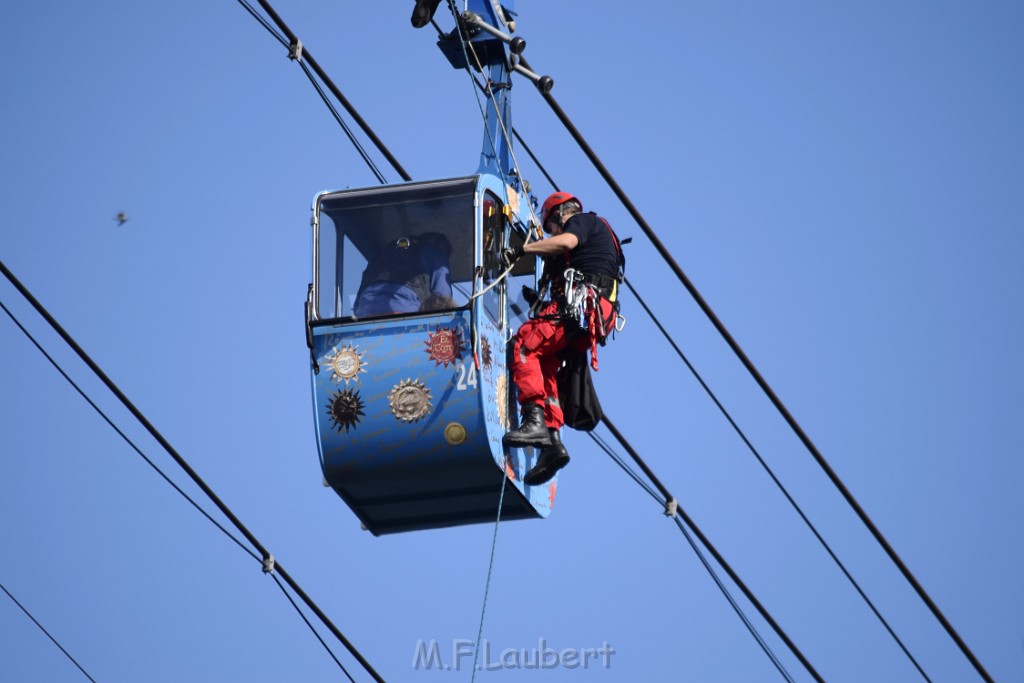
[(535, 357)]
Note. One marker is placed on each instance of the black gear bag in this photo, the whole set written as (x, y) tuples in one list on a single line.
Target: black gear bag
[(576, 394)]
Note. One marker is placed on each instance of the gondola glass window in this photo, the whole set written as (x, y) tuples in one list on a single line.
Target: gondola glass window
[(394, 250), (493, 232)]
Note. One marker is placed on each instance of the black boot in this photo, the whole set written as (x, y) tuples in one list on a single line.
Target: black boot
[(552, 458), (533, 431)]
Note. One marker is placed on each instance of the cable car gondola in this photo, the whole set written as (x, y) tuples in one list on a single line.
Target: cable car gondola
[(411, 393)]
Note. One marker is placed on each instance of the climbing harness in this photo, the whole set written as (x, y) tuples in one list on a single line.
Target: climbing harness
[(583, 295)]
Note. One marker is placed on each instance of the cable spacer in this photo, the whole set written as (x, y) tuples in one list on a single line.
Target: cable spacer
[(295, 50), (670, 507), (543, 83), (268, 564)]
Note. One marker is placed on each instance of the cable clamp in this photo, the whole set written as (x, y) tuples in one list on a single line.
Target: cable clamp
[(268, 564), (295, 50), (670, 507)]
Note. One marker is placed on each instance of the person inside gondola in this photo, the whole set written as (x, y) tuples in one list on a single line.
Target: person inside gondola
[(407, 275)]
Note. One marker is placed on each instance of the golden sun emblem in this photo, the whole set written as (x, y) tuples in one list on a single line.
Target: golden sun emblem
[(346, 363), (410, 400)]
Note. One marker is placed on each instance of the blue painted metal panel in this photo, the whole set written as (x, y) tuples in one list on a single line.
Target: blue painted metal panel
[(410, 427)]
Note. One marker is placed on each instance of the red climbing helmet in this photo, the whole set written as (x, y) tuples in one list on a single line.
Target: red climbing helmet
[(556, 199)]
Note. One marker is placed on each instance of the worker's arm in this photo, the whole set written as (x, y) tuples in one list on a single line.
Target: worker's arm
[(552, 246)]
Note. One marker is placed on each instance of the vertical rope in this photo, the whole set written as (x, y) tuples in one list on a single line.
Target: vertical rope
[(487, 585)]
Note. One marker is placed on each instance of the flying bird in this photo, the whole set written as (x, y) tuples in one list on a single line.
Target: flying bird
[(121, 218)]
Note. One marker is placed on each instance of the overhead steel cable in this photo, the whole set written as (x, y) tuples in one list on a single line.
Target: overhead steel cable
[(483, 87), (743, 617), (311, 628), (750, 596), (785, 492), (162, 474), (530, 153), (678, 512), (341, 122), (323, 96), (640, 481), (124, 436), (617, 459), (732, 343), (749, 365), (43, 629), (269, 563), (750, 446), (300, 52)]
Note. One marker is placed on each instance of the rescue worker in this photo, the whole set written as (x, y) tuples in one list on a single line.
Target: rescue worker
[(409, 274), (582, 260)]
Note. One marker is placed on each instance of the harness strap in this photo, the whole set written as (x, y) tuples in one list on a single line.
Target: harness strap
[(618, 248)]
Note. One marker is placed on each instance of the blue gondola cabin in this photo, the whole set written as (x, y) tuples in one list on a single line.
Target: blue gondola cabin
[(407, 323)]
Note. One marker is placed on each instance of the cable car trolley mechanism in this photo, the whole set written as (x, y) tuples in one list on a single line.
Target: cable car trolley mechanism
[(408, 317)]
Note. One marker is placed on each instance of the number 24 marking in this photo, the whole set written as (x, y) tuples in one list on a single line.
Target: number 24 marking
[(467, 376)]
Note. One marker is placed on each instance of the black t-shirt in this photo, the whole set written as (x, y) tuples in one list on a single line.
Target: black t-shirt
[(596, 254)]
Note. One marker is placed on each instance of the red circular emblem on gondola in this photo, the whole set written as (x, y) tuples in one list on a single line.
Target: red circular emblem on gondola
[(444, 346)]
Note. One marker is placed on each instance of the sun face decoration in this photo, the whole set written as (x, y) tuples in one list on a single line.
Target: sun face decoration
[(410, 400), (485, 353), (444, 346), (346, 363), (345, 408)]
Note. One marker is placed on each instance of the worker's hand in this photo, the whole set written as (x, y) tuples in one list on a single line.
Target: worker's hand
[(529, 295), (510, 255)]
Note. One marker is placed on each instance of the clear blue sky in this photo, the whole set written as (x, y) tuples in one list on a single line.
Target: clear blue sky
[(842, 181)]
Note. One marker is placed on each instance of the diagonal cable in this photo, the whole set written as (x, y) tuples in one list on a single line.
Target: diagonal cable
[(757, 456), (672, 508), (311, 628), (41, 628), (724, 333), (124, 436), (268, 559), (293, 40), (796, 506), (762, 383), (156, 467), (678, 510), (320, 91), (617, 459)]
